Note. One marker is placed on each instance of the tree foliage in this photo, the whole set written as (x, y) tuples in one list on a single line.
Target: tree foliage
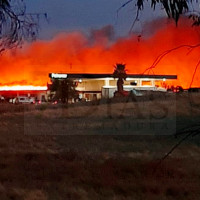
[(64, 89), (16, 25), (173, 8), (120, 73)]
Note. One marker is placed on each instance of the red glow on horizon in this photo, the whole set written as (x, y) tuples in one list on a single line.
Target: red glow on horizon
[(76, 53), (23, 88)]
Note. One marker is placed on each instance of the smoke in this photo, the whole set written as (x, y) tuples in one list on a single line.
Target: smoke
[(77, 53), (103, 35)]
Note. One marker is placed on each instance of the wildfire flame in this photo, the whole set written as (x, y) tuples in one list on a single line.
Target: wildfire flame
[(23, 88), (77, 53)]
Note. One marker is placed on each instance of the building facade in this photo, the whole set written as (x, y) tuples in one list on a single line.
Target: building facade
[(96, 86)]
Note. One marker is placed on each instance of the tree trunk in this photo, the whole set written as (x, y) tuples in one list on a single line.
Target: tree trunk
[(120, 83)]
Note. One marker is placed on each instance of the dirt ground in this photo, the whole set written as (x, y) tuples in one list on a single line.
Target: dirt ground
[(101, 150)]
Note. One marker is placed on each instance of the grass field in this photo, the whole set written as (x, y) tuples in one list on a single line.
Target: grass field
[(100, 150)]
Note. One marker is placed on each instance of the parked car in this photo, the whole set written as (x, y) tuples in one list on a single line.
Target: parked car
[(176, 89), (137, 93), (195, 89), (2, 99), (39, 102), (23, 100)]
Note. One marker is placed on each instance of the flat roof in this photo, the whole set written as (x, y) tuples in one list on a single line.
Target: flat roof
[(95, 76)]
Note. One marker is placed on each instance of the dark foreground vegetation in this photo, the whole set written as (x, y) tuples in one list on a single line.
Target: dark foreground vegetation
[(41, 158), (74, 175)]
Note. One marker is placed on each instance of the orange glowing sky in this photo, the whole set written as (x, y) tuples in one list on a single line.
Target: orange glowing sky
[(77, 53)]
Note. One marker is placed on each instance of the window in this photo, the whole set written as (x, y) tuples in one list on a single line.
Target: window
[(146, 83), (22, 99)]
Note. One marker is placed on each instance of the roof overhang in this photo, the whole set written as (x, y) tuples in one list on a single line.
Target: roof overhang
[(100, 76)]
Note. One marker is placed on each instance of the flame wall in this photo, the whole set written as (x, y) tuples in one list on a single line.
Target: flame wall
[(77, 53)]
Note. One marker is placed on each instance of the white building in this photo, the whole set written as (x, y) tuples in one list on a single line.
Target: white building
[(96, 86)]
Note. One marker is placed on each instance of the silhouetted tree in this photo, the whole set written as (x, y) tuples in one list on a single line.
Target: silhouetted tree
[(16, 25), (65, 89), (120, 73)]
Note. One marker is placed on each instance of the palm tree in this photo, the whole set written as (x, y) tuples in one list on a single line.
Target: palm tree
[(120, 73)]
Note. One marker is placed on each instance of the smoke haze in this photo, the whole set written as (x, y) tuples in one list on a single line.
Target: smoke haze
[(77, 53)]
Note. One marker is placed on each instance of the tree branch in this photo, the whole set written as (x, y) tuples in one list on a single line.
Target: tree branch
[(162, 55), (16, 25)]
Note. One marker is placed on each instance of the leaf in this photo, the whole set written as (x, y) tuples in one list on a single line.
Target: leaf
[(177, 17), (153, 4), (166, 7), (140, 4), (190, 16), (4, 3)]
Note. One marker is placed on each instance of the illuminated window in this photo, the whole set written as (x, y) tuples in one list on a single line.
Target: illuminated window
[(148, 83)]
